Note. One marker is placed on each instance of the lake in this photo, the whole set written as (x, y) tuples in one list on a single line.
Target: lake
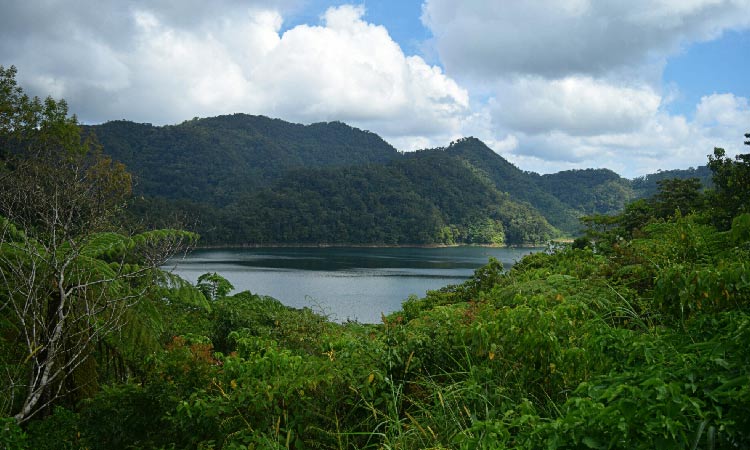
[(344, 283)]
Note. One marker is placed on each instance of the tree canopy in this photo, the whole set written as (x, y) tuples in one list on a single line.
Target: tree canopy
[(70, 276), (636, 342), (253, 172), (633, 337)]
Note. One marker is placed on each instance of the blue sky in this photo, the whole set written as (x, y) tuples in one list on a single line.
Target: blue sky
[(701, 68), (401, 18), (705, 68), (550, 85)]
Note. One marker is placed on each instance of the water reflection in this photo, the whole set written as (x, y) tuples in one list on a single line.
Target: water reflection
[(349, 283)]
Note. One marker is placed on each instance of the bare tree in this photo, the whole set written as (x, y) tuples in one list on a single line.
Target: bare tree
[(67, 274)]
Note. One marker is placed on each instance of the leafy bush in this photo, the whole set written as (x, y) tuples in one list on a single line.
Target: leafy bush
[(12, 437), (573, 348)]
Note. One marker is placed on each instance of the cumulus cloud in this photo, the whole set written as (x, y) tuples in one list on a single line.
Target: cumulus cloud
[(557, 38), (723, 110), (578, 83), (662, 142), (575, 105), (164, 63), (549, 84), (347, 69)]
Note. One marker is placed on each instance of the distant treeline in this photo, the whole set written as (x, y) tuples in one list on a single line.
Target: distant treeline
[(243, 179)]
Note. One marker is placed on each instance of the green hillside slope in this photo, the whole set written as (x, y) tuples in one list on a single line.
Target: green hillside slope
[(212, 160), (242, 179)]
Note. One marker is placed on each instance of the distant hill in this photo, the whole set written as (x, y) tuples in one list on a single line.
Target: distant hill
[(242, 179), (646, 186), (429, 201), (212, 160), (589, 191), (518, 184)]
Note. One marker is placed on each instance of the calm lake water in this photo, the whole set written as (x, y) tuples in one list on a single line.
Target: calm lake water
[(345, 283)]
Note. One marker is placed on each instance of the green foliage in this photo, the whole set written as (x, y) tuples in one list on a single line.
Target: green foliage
[(176, 290), (328, 183), (688, 395), (254, 150), (246, 313), (70, 278), (648, 185), (741, 229), (731, 194), (59, 431), (674, 198), (214, 286), (129, 416), (12, 437), (569, 348), (590, 191), (521, 186), (424, 198), (261, 397), (683, 195)]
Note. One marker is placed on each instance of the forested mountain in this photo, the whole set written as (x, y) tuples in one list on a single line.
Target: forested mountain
[(589, 191), (211, 160), (242, 179), (519, 184), (647, 185), (425, 198), (632, 337)]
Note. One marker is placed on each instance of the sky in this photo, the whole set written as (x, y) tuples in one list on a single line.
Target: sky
[(634, 86)]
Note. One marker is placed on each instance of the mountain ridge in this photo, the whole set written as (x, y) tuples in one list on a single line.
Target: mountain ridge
[(248, 179)]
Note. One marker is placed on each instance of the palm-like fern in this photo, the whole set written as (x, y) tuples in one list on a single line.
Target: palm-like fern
[(64, 299)]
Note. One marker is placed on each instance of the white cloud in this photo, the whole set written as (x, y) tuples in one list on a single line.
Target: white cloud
[(578, 83), (557, 38), (575, 105), (723, 110), (662, 142), (168, 66), (551, 85), (350, 70)]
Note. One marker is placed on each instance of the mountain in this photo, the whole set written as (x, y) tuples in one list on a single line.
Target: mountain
[(647, 185), (214, 159), (521, 185), (242, 179), (589, 191), (421, 198)]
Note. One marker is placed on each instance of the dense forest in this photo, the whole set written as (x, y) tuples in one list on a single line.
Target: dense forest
[(251, 180), (632, 337)]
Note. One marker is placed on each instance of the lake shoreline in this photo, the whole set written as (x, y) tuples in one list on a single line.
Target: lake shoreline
[(350, 283), (348, 245)]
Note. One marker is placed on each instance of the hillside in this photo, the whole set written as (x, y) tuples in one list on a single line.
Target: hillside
[(242, 179), (646, 186), (524, 186), (589, 191), (211, 160), (415, 200)]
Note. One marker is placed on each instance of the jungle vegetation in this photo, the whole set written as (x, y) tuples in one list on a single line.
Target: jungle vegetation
[(634, 336), (250, 180)]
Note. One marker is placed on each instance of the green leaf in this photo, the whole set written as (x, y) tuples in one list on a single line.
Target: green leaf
[(104, 244), (590, 442)]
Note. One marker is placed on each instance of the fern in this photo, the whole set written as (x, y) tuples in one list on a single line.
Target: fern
[(164, 236), (176, 289), (105, 245), (9, 232)]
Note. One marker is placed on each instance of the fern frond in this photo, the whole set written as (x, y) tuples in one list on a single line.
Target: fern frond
[(178, 290), (9, 232), (105, 245), (157, 237)]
